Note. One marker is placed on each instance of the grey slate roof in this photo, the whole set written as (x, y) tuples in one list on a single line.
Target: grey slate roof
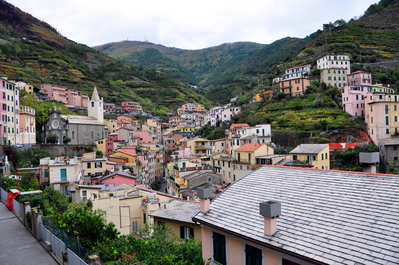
[(309, 149), (328, 216), (79, 119), (389, 141), (177, 210)]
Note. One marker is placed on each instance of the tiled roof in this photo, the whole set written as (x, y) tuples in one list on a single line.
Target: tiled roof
[(332, 217), (249, 147), (239, 125), (309, 149), (177, 210)]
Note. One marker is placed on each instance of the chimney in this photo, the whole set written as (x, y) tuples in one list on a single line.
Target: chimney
[(205, 194), (270, 210)]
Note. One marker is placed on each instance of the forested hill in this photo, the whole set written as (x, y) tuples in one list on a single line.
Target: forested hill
[(34, 52), (371, 41), (227, 70), (220, 72)]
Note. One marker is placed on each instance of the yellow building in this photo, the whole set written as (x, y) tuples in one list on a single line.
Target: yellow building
[(178, 216), (101, 145), (92, 165), (112, 125), (128, 207), (313, 155)]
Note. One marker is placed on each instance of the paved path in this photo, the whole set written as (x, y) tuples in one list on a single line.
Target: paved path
[(17, 245)]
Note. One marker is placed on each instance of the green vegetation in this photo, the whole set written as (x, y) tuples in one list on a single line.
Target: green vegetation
[(34, 52), (348, 159), (162, 247)]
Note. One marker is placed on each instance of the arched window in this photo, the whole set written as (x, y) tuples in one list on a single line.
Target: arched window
[(92, 104), (73, 135)]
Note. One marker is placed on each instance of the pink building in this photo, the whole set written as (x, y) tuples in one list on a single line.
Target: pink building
[(116, 178), (3, 110), (76, 98), (110, 143), (144, 137), (129, 106), (54, 92), (354, 93)]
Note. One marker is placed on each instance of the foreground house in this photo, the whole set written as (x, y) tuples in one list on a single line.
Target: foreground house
[(178, 216), (317, 217)]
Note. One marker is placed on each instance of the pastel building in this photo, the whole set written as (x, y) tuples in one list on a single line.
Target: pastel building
[(334, 76), (354, 93), (334, 60), (299, 71), (12, 99), (294, 87), (382, 115), (310, 155), (291, 216), (27, 128), (4, 85), (54, 92)]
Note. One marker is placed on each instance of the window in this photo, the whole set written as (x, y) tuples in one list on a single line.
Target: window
[(387, 131), (144, 218), (64, 190), (253, 256), (186, 232), (219, 248), (88, 165), (99, 165), (294, 157), (63, 174), (386, 120), (395, 147), (84, 194)]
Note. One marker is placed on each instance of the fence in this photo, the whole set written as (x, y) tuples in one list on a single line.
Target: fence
[(58, 247)]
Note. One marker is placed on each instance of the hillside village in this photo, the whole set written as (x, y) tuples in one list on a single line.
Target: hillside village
[(97, 182), (129, 155)]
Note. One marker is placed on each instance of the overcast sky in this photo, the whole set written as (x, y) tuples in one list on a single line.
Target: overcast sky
[(189, 24)]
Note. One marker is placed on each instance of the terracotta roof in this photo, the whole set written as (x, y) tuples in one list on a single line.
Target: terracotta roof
[(127, 152), (249, 147), (239, 125)]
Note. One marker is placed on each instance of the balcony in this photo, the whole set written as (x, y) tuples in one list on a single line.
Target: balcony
[(241, 161), (203, 147)]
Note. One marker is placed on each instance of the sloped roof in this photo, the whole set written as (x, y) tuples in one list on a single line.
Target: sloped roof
[(249, 147), (79, 119), (310, 149), (239, 125), (177, 210), (332, 217)]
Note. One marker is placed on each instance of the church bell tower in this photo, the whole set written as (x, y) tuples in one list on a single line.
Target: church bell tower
[(96, 107)]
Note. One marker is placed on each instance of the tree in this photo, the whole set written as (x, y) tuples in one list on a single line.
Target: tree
[(162, 247), (86, 225), (66, 140), (99, 154), (52, 139)]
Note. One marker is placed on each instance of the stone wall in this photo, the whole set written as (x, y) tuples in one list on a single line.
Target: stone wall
[(68, 150)]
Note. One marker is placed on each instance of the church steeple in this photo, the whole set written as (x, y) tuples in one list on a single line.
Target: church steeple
[(96, 106)]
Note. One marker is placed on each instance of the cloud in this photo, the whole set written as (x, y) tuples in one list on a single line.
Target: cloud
[(189, 24)]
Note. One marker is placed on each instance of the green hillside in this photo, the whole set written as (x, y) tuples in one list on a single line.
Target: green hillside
[(34, 52), (220, 72)]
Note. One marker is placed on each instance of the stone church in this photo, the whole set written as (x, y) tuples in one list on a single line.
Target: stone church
[(82, 130)]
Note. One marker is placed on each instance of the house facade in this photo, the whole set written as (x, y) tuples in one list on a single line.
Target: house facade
[(268, 218)]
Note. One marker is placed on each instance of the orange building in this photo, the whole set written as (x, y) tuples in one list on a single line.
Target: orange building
[(294, 87)]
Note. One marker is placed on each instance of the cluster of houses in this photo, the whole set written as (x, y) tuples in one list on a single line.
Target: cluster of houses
[(375, 103), (246, 204)]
